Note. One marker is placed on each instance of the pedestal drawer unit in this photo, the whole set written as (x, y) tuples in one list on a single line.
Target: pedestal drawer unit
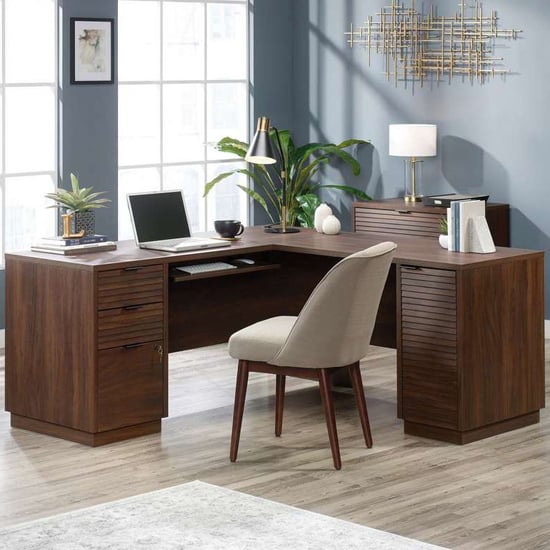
[(96, 371), (130, 341)]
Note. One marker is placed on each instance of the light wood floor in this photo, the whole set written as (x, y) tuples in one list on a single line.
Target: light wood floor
[(490, 494)]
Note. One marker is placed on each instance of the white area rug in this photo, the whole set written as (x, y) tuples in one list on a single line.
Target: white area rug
[(197, 515)]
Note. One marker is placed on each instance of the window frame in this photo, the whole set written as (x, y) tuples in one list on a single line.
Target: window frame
[(54, 86), (204, 162)]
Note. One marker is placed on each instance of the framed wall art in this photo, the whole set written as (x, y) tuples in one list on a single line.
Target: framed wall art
[(92, 51)]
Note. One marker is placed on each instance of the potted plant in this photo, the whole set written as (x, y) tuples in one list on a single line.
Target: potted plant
[(81, 203), (443, 230), (303, 164)]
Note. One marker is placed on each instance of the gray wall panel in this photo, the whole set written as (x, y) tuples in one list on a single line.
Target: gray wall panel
[(89, 120)]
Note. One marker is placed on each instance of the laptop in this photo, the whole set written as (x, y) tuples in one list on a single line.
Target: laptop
[(160, 222)]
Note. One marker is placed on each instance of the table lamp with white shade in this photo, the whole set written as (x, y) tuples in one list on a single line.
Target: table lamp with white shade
[(412, 141)]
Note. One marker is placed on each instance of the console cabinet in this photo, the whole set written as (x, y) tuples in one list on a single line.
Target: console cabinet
[(397, 217)]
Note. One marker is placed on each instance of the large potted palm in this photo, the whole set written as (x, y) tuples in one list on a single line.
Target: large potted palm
[(303, 165)]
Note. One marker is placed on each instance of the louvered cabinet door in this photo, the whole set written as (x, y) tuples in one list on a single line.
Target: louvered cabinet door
[(397, 222), (428, 357)]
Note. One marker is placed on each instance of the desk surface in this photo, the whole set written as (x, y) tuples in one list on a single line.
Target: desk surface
[(85, 335), (410, 250)]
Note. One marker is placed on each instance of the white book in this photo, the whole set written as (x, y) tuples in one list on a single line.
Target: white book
[(77, 249), (450, 229)]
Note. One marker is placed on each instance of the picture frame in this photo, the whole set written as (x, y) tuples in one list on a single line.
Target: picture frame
[(92, 50)]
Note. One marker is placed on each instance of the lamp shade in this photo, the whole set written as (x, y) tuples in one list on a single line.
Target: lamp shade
[(413, 140), (260, 150)]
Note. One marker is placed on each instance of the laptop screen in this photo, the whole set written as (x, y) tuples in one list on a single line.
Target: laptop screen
[(158, 216)]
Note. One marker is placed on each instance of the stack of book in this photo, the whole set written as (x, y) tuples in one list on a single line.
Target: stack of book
[(467, 227), (70, 246)]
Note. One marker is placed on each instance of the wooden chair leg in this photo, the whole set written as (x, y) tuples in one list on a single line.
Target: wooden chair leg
[(328, 405), (279, 403), (357, 383), (238, 408)]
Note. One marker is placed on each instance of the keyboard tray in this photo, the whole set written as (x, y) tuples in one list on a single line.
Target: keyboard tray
[(195, 269)]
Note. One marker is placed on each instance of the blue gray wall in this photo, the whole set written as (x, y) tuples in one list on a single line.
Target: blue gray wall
[(493, 138), (271, 71), (88, 121)]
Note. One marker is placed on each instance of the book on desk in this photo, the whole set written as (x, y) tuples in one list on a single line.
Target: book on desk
[(68, 250), (73, 241), (467, 227)]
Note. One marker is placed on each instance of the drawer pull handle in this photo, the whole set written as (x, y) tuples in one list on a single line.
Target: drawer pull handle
[(132, 346), (131, 308), (160, 350), (411, 267), (137, 268), (403, 211)]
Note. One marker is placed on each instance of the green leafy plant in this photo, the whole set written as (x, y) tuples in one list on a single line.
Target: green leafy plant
[(78, 199), (303, 164), (443, 227)]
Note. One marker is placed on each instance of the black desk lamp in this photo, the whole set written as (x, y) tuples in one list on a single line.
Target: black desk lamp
[(261, 152)]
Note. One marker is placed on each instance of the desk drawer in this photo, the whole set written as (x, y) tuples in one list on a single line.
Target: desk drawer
[(429, 346), (130, 386), (130, 286), (397, 222), (130, 325)]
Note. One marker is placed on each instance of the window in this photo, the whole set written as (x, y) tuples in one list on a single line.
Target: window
[(183, 85), (27, 120)]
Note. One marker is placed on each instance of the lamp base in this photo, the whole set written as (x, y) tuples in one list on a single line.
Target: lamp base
[(279, 229), (412, 198)]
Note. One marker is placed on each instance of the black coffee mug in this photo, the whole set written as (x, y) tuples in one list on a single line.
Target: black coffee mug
[(228, 228)]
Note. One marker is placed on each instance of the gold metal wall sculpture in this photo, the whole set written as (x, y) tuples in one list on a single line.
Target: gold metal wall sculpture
[(419, 46)]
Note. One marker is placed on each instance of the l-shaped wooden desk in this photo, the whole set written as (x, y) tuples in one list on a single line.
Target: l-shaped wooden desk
[(86, 336)]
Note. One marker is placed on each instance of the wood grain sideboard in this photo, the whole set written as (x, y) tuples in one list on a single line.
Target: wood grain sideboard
[(397, 217)]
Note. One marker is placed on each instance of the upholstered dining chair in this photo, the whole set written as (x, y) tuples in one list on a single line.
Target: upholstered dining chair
[(332, 332)]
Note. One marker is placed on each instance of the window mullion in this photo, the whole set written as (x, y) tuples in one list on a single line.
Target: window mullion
[(161, 84), (205, 111), (3, 137)]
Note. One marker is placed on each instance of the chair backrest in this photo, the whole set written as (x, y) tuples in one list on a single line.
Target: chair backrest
[(335, 325)]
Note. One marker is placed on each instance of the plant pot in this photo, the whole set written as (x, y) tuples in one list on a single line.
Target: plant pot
[(86, 221), (444, 241), (80, 221)]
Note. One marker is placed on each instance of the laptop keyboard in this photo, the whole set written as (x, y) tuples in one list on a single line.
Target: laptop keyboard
[(204, 268)]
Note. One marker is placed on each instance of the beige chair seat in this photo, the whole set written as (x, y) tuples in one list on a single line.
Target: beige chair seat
[(332, 333), (263, 340)]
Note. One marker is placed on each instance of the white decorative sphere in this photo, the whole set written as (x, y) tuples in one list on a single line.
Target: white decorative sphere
[(321, 212), (331, 225)]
